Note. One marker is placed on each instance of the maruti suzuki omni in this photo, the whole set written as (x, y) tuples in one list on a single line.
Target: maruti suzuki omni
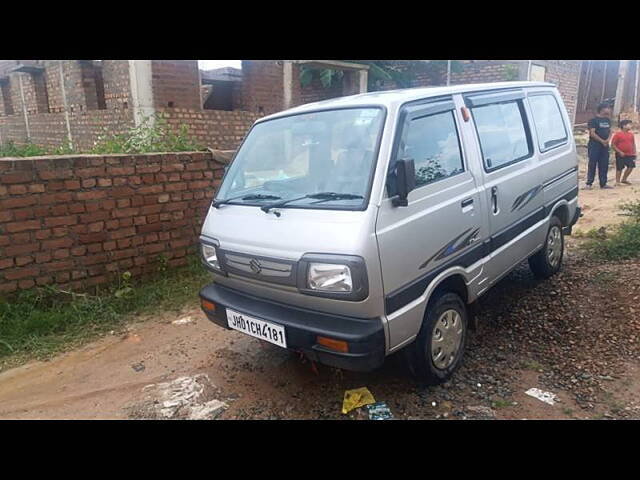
[(352, 228)]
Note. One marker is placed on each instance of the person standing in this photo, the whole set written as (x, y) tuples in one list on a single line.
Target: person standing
[(623, 142), (598, 146)]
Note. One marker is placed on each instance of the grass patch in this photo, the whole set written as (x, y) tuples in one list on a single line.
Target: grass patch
[(41, 322), (501, 403), (623, 242), (532, 365)]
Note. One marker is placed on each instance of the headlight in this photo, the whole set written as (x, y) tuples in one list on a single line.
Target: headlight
[(329, 277), (210, 255)]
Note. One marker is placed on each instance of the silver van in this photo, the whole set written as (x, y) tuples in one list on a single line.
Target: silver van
[(352, 228)]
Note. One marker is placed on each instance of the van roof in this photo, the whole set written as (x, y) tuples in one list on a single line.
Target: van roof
[(391, 98)]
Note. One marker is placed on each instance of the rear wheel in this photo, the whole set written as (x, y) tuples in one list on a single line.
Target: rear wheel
[(548, 260), (438, 349)]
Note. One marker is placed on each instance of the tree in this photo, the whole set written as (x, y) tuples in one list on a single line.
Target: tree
[(400, 72)]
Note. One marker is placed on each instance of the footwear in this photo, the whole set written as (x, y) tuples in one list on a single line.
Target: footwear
[(588, 187), (606, 187), (626, 182)]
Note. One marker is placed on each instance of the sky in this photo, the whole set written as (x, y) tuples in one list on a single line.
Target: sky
[(209, 64)]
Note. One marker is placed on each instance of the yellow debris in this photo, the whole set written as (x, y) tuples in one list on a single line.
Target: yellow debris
[(356, 398)]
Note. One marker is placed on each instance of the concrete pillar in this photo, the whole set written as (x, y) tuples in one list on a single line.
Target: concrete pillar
[(287, 77), (140, 78), (363, 76), (24, 108), (64, 103), (622, 74)]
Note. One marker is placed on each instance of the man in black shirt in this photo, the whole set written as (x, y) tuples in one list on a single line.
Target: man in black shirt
[(598, 146)]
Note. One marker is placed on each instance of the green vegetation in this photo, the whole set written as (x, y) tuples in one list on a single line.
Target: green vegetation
[(401, 72), (149, 136), (511, 72), (623, 242), (40, 322), (9, 149), (501, 403)]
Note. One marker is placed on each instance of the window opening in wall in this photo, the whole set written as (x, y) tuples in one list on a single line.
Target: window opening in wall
[(220, 97), (170, 105), (93, 84), (41, 92), (5, 88)]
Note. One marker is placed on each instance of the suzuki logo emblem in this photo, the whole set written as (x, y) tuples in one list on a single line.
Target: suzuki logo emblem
[(255, 266)]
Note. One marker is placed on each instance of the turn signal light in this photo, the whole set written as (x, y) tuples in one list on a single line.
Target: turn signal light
[(208, 306), (338, 345), (465, 113)]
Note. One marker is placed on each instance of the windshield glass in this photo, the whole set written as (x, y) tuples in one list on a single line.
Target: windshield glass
[(291, 157)]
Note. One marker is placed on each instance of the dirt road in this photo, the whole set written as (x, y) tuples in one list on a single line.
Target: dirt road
[(576, 335)]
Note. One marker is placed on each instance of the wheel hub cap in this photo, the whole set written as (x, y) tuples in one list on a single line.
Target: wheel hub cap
[(554, 246), (446, 339)]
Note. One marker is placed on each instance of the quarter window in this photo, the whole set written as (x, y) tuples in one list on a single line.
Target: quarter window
[(502, 133), (548, 120), (432, 142)]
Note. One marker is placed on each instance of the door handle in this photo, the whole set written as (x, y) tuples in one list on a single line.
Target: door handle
[(467, 202), (494, 199)]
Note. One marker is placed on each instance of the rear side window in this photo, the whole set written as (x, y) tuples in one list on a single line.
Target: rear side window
[(432, 142), (548, 120), (503, 134)]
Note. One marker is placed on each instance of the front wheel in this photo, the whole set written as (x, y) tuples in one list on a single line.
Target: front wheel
[(548, 260), (438, 349)]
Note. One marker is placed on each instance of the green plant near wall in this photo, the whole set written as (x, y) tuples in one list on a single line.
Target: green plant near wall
[(152, 135), (511, 72), (10, 149), (401, 72)]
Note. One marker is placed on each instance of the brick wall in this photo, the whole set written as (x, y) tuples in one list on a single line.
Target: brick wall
[(176, 84), (218, 129), (262, 86), (80, 221), (565, 74)]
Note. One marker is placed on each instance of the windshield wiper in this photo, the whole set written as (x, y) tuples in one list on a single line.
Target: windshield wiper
[(323, 196), (259, 196)]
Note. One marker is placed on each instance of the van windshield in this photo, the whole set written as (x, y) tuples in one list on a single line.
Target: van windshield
[(291, 159)]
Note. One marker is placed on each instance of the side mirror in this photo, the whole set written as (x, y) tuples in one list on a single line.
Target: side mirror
[(405, 181)]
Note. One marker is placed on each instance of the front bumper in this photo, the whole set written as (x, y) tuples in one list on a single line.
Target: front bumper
[(365, 337)]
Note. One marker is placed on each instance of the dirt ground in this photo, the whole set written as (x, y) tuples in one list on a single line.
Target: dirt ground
[(576, 335)]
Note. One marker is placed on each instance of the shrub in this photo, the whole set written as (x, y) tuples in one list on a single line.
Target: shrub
[(624, 242), (149, 136)]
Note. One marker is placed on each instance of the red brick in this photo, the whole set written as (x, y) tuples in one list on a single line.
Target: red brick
[(6, 216), (17, 177), (61, 253), (42, 257), (24, 284), (120, 171), (21, 273), (122, 233), (17, 189), (58, 266), (42, 234), (64, 242), (14, 250), (123, 203), (20, 261), (77, 251), (94, 259), (54, 174), (153, 248), (90, 172), (7, 287), (105, 182), (91, 195), (76, 208), (60, 221), (22, 226), (6, 263), (93, 237), (25, 213), (88, 183), (36, 188), (72, 184), (109, 245), (18, 202), (94, 247)]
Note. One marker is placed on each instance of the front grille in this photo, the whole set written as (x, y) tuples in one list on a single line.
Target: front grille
[(260, 268)]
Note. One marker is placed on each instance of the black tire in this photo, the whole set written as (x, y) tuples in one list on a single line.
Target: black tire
[(419, 353), (540, 263)]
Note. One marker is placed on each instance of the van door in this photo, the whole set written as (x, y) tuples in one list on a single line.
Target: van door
[(512, 179), (441, 225)]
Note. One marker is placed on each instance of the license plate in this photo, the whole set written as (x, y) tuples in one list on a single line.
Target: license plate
[(257, 328)]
